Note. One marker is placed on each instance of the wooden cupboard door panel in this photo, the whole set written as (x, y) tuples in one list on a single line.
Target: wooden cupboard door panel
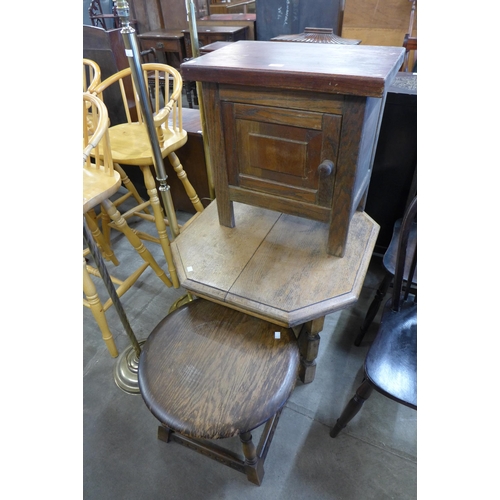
[(277, 151)]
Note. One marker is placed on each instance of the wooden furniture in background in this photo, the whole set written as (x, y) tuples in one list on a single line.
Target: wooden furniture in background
[(211, 34), (395, 165), (410, 45), (235, 6), (248, 20), (208, 372), (378, 23), (295, 131), (275, 266), (283, 17), (192, 157), (391, 363), (107, 49), (213, 46), (130, 144), (106, 21), (169, 45), (100, 182), (316, 35)]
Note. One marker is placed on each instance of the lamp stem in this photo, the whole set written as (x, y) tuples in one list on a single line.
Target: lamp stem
[(133, 53)]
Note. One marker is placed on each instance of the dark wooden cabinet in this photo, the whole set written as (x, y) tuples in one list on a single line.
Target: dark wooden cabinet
[(275, 149), (294, 127)]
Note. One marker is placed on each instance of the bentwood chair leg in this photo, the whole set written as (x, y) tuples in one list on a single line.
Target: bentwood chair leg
[(160, 223), (175, 162), (136, 242), (374, 307), (96, 307), (353, 407)]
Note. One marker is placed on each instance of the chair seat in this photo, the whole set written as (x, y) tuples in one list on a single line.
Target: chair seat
[(98, 186), (391, 362), (130, 144), (210, 372)]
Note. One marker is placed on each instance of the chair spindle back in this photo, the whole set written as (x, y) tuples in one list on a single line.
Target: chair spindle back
[(400, 292)]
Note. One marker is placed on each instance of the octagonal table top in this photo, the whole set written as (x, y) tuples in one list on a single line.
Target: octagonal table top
[(273, 265)]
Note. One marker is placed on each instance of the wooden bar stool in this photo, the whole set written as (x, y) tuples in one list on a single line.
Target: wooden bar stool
[(100, 182), (209, 372), (131, 144)]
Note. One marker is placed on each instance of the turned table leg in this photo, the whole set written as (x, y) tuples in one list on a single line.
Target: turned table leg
[(308, 346)]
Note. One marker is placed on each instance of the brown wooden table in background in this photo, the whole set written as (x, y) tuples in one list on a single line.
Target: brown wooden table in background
[(231, 20), (211, 34), (169, 45)]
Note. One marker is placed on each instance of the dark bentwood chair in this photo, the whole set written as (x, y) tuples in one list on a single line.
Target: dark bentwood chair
[(391, 363), (208, 372), (389, 262)]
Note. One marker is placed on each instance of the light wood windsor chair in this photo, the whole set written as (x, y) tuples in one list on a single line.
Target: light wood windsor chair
[(91, 78), (130, 142), (100, 182)]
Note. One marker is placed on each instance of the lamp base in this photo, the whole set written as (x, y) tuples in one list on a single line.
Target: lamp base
[(126, 370)]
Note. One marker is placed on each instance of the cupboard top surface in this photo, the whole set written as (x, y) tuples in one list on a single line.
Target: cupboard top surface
[(339, 69)]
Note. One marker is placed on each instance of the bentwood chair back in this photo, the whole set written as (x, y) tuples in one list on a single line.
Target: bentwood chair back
[(100, 182), (391, 362), (389, 262), (131, 143), (91, 75)]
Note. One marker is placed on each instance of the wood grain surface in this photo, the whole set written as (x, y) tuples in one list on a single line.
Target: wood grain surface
[(273, 265), (211, 372)]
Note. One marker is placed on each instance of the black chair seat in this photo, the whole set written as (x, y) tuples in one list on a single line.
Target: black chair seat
[(391, 363)]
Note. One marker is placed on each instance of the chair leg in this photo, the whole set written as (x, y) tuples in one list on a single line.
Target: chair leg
[(130, 186), (160, 223), (135, 241), (254, 467), (97, 309), (101, 240), (175, 162), (374, 307), (353, 407)]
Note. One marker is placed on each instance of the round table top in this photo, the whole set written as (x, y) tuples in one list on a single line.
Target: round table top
[(208, 371)]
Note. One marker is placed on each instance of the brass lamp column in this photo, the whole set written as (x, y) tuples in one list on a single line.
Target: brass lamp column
[(133, 53), (127, 364)]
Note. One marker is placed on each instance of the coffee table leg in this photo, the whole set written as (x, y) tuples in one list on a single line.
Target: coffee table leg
[(308, 345)]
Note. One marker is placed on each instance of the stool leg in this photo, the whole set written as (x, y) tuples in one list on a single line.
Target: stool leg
[(160, 223), (130, 186), (181, 174), (135, 241), (254, 467), (374, 307), (97, 310), (106, 250), (353, 407)]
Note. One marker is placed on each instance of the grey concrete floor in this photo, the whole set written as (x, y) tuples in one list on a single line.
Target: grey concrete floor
[(375, 456)]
